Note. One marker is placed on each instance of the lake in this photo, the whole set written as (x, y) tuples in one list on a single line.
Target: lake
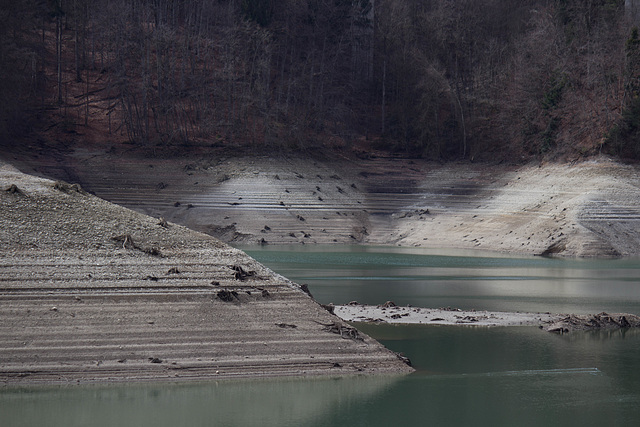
[(462, 279), (465, 375)]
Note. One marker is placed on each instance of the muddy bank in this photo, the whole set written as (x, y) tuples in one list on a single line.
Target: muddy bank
[(589, 209), (94, 292)]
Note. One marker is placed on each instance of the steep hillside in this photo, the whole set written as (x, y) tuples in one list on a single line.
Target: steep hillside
[(445, 80)]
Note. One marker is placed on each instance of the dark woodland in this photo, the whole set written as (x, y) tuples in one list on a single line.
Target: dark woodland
[(437, 79)]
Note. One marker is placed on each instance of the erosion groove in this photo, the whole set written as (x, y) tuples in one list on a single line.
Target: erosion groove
[(77, 305)]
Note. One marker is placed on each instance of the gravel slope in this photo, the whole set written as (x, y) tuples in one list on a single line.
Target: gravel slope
[(91, 291)]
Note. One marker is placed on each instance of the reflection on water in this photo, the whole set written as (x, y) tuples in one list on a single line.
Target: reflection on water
[(465, 375), (294, 402)]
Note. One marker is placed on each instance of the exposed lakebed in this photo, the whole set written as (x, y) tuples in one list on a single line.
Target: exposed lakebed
[(480, 376)]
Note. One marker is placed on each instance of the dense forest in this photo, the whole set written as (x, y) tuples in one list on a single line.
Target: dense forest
[(440, 79)]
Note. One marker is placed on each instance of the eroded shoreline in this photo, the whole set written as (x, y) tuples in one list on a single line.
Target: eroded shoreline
[(91, 292), (77, 260), (586, 209)]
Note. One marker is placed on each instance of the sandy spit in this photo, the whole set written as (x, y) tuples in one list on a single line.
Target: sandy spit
[(389, 313), (556, 323)]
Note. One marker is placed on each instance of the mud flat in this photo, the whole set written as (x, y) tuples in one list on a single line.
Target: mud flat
[(94, 292), (558, 323), (390, 313)]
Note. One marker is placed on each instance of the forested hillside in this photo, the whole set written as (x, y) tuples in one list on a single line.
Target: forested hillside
[(441, 79)]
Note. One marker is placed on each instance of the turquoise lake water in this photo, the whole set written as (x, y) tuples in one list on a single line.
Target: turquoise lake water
[(461, 279), (466, 376)]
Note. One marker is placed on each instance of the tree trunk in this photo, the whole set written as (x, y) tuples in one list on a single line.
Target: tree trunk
[(59, 51), (76, 42), (384, 95)]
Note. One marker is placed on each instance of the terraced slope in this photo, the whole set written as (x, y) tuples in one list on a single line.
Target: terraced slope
[(586, 209), (590, 209), (91, 291)]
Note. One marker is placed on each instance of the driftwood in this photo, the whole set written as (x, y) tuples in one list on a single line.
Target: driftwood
[(128, 243), (305, 288), (69, 188), (602, 320), (286, 326), (227, 296), (13, 189), (341, 329), (126, 240), (404, 358), (241, 274)]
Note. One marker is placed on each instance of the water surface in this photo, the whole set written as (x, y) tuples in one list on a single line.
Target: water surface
[(463, 279), (466, 376)]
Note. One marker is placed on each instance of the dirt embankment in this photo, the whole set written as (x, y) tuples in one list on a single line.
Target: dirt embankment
[(589, 209), (91, 291)]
